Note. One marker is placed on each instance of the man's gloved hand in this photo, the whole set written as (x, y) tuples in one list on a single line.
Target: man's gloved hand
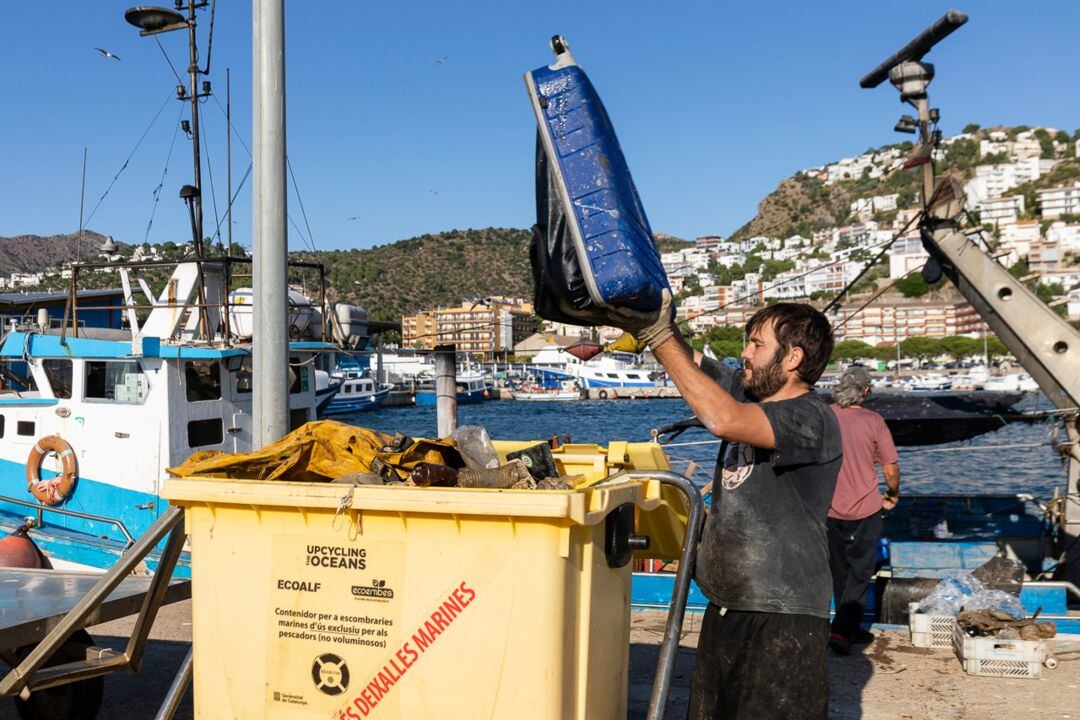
[(627, 343), (653, 328)]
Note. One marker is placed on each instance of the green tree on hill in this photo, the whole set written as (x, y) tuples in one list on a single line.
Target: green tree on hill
[(852, 350)]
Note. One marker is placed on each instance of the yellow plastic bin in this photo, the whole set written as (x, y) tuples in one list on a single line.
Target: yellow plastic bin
[(329, 601)]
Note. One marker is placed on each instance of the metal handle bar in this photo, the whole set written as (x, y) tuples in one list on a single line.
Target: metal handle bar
[(71, 513), (665, 665), (914, 50)]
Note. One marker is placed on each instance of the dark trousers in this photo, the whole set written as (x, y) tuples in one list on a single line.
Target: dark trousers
[(852, 557), (756, 665)]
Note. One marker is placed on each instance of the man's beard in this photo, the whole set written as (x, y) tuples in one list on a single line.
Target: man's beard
[(764, 382)]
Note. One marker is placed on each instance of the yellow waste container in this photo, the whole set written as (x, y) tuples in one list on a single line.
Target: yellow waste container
[(332, 601)]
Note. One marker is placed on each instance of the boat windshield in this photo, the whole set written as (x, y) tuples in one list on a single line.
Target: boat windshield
[(59, 374)]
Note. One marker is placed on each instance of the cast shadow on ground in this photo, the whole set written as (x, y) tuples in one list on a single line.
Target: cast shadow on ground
[(133, 696)]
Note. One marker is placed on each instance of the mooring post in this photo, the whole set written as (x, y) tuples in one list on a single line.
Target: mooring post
[(380, 372), (445, 389)]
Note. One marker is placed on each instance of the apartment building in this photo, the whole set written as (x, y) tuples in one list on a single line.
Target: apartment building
[(480, 327), (1000, 211), (1073, 308), (1067, 236), (1045, 256), (906, 255), (1055, 202), (897, 321), (1019, 236)]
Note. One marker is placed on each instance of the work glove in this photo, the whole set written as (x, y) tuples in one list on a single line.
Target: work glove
[(651, 328), (627, 343)]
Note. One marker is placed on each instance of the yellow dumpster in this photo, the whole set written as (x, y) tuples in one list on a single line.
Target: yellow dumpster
[(332, 601)]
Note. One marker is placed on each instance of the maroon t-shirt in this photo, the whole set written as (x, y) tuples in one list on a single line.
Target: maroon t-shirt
[(867, 441)]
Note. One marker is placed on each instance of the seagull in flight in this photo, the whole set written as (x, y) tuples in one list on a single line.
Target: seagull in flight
[(433, 192), (441, 60), (354, 217), (107, 54)]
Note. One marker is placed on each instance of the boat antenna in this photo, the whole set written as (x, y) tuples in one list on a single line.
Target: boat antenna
[(82, 204), (228, 158), (153, 20), (906, 71)]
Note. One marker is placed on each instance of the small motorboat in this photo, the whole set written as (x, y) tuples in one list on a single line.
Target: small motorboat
[(356, 394), (471, 389)]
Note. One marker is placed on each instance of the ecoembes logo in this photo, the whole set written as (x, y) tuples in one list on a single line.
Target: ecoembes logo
[(376, 591)]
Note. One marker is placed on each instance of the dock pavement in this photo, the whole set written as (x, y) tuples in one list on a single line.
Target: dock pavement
[(889, 680)]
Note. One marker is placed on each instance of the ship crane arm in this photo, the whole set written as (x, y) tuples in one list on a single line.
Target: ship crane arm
[(1044, 343)]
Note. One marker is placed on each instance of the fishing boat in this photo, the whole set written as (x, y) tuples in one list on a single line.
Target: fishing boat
[(545, 395), (1012, 382), (471, 388), (928, 383), (99, 414), (91, 418), (530, 392), (357, 394), (616, 370)]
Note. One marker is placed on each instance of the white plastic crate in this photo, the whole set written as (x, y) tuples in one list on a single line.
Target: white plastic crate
[(993, 657), (930, 631)]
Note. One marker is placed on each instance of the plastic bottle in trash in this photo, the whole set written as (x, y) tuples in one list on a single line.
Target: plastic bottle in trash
[(475, 446), (426, 474)]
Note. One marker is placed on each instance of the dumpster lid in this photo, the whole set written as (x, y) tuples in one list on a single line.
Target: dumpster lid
[(584, 506)]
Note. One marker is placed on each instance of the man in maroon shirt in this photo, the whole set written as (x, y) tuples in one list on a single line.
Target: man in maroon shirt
[(856, 513)]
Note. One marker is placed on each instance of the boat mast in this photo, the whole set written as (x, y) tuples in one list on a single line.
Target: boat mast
[(270, 344), (151, 21)]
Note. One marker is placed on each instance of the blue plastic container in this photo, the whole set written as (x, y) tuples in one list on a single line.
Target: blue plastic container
[(618, 257)]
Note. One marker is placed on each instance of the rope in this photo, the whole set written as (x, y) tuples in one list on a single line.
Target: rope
[(876, 295), (130, 155), (696, 442), (847, 288), (299, 231), (210, 41), (232, 128), (164, 172), (296, 188), (1013, 446), (210, 172), (247, 173), (166, 56)]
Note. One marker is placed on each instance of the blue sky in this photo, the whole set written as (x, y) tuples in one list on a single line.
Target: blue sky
[(714, 104)]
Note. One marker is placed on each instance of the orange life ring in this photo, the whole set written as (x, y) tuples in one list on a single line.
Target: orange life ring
[(54, 490)]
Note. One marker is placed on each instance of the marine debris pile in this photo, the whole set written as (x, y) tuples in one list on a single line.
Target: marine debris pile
[(330, 451), (984, 621)]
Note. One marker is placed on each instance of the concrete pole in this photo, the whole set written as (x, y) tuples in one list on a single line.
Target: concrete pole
[(445, 389), (270, 346)]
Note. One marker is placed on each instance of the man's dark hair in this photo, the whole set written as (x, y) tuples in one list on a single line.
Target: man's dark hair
[(798, 325)]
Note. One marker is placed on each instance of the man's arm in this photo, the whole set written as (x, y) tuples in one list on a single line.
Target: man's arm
[(892, 479), (718, 411)]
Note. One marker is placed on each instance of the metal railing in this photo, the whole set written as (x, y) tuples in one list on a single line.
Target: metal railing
[(225, 262), (41, 509), (31, 675)]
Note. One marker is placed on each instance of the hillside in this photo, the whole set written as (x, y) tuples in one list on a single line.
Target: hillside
[(34, 253), (390, 280), (440, 269), (804, 202)]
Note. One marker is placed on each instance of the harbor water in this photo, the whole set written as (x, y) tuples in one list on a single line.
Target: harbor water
[(1015, 459)]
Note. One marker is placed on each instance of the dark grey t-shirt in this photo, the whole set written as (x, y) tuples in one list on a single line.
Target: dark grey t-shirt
[(764, 546)]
